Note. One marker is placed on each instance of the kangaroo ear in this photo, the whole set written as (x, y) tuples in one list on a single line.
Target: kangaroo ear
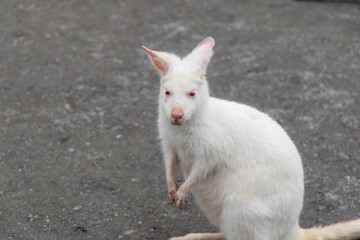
[(201, 55), (159, 62)]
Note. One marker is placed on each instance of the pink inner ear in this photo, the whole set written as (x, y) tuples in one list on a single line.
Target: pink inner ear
[(160, 63), (208, 43)]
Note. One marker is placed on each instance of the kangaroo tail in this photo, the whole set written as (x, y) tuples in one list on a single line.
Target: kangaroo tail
[(339, 231)]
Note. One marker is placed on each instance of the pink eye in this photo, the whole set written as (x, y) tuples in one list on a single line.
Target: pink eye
[(167, 93), (192, 94)]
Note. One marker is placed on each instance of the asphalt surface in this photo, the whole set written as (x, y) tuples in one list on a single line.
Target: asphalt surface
[(79, 153)]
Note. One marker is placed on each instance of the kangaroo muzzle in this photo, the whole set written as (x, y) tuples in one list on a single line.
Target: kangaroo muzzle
[(177, 116)]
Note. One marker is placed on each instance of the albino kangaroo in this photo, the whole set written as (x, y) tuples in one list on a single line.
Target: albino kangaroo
[(242, 167)]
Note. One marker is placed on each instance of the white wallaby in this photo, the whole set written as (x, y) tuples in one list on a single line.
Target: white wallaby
[(241, 166)]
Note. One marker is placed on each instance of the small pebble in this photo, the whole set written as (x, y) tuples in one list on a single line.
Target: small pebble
[(76, 208)]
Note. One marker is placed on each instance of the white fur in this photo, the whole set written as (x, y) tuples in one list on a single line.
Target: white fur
[(241, 166)]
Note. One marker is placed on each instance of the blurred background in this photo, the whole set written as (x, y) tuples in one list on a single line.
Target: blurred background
[(79, 153)]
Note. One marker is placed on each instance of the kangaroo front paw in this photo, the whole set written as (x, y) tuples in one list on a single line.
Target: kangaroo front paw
[(172, 188), (181, 197)]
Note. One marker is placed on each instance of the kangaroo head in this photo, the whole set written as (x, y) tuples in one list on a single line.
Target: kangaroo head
[(184, 89)]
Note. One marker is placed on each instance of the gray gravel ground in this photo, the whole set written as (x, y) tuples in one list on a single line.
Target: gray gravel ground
[(79, 155)]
